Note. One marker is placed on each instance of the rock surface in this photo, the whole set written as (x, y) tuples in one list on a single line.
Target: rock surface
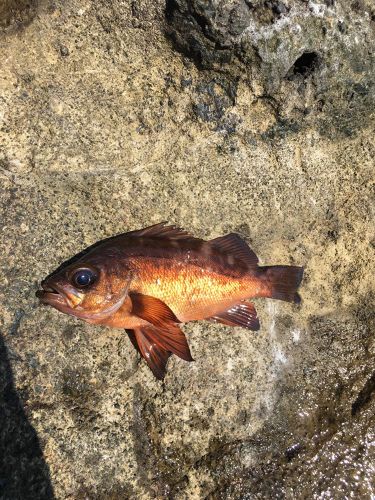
[(312, 62), (106, 126)]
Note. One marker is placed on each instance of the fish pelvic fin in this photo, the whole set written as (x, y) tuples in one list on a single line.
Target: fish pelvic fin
[(282, 282), (243, 314), (157, 344), (155, 356), (171, 339)]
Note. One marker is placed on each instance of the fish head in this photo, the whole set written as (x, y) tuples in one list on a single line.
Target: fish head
[(92, 288)]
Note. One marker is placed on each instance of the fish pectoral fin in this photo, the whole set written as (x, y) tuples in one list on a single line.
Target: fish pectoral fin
[(153, 310), (156, 345), (234, 245), (243, 314), (155, 356)]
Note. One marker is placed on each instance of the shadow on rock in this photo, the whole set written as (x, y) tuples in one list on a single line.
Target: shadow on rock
[(24, 473)]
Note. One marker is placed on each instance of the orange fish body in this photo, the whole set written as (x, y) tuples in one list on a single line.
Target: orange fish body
[(151, 280)]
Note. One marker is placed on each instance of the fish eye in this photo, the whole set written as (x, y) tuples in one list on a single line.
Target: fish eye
[(83, 278)]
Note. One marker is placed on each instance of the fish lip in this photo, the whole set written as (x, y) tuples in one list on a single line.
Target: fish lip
[(50, 298), (53, 296)]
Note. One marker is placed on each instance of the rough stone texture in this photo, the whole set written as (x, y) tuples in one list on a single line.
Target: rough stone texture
[(105, 127), (313, 62), (16, 14)]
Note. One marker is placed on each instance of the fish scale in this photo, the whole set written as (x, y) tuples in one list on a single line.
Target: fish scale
[(191, 292)]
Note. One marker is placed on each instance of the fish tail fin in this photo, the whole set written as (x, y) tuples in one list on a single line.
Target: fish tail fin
[(282, 282)]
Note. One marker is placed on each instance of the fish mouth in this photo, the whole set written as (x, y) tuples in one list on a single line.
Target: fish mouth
[(53, 296)]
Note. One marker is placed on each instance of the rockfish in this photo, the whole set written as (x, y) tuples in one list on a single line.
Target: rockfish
[(150, 281)]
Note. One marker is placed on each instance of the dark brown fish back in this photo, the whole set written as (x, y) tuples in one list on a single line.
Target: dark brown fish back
[(228, 255)]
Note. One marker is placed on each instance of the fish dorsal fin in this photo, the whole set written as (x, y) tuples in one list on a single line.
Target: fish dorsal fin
[(155, 356), (162, 230), (153, 310), (234, 245), (243, 314)]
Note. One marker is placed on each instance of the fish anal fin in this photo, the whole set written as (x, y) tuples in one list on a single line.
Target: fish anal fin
[(153, 310), (155, 356), (162, 230), (242, 314), (234, 246)]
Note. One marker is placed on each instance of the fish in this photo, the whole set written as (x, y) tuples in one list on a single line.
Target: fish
[(151, 281)]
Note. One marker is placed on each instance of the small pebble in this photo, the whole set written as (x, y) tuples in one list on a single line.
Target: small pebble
[(64, 51)]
